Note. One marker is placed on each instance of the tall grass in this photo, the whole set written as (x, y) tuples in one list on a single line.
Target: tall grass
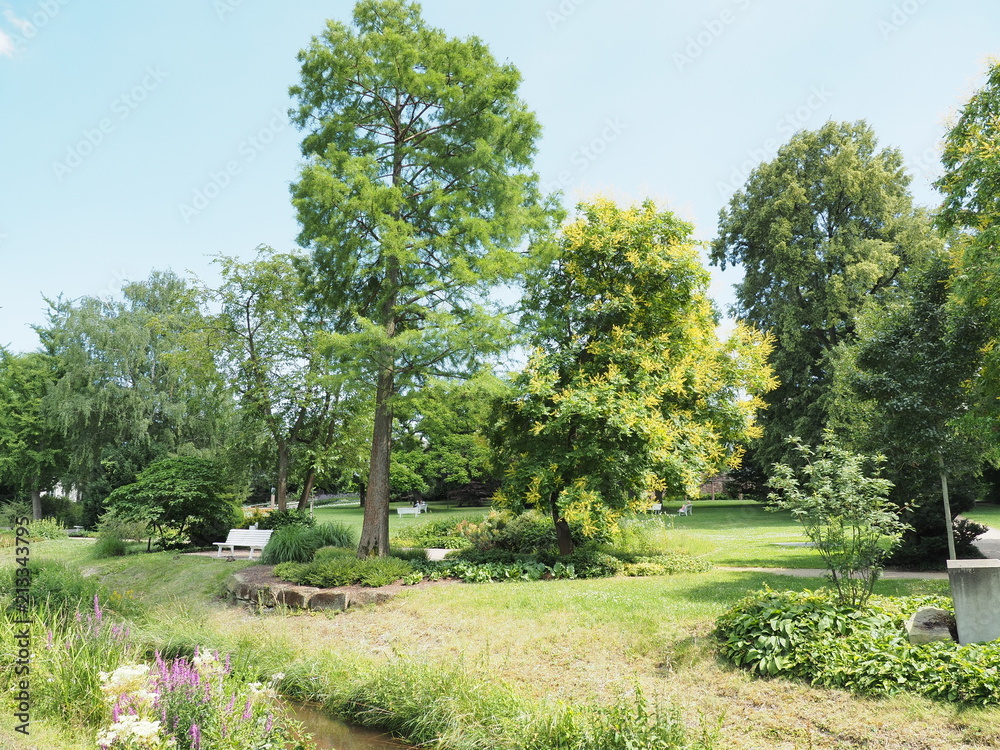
[(425, 703)]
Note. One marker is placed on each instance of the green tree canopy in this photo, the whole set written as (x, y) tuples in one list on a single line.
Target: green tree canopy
[(126, 393), (902, 390), (184, 497), (415, 196), (272, 345), (441, 441), (31, 451), (628, 389), (971, 189), (820, 229)]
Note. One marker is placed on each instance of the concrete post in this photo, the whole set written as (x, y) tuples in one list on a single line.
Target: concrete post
[(975, 588)]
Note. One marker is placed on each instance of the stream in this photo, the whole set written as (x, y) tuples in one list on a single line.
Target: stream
[(331, 734)]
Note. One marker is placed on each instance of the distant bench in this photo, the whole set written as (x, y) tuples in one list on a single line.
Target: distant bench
[(416, 510), (252, 538)]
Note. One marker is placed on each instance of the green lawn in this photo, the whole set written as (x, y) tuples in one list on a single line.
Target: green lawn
[(736, 533), (986, 513), (353, 514)]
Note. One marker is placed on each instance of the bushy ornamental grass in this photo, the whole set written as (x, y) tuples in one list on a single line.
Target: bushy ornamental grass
[(296, 543), (862, 649), (109, 545), (335, 535)]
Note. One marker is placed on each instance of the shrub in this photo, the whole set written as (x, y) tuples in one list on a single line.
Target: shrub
[(12, 511), (292, 543), (109, 545), (813, 636), (112, 524), (329, 553), (341, 570), (279, 519), (449, 534), (64, 510), (846, 513), (46, 528)]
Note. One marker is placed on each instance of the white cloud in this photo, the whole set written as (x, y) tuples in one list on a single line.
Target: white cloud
[(24, 26), (6, 45)]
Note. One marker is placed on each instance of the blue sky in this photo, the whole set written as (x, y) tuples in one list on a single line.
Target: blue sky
[(140, 136)]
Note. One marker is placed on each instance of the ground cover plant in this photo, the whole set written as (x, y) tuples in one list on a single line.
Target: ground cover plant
[(865, 649)]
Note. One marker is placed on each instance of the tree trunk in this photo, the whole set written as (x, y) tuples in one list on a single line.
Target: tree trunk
[(375, 529), (562, 529), (307, 488), (361, 489), (282, 486), (36, 504)]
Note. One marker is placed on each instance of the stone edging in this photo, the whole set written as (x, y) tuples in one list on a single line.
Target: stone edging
[(269, 592)]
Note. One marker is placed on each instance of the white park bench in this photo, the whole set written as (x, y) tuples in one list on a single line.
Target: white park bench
[(415, 510), (252, 538)]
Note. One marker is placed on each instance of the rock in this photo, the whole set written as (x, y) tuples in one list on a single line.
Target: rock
[(929, 624), (328, 600), (257, 586)]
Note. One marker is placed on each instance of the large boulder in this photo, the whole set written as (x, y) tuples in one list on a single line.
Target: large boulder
[(930, 624)]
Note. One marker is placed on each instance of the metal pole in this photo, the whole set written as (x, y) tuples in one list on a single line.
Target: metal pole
[(947, 509)]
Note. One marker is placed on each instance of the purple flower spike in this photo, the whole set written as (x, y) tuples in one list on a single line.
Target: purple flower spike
[(195, 736), (247, 713), (97, 608), (269, 724)]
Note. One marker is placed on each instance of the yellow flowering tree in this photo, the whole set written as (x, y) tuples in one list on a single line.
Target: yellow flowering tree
[(628, 388)]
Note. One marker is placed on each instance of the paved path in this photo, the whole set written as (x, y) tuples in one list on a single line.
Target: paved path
[(989, 543)]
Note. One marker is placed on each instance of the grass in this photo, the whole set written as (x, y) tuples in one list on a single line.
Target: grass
[(725, 532), (985, 513), (574, 641), (353, 515)]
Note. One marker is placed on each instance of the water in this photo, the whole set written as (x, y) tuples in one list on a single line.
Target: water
[(330, 734)]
